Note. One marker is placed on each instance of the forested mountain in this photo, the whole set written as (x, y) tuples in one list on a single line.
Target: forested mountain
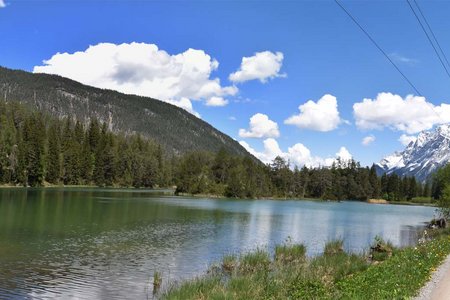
[(175, 129), (422, 157)]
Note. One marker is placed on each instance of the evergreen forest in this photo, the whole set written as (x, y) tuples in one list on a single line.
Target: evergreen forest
[(39, 150)]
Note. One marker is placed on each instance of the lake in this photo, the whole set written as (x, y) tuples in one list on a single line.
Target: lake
[(91, 243)]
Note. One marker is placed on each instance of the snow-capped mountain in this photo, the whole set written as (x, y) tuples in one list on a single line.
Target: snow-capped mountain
[(422, 157)]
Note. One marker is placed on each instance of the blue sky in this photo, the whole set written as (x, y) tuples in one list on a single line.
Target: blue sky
[(309, 49)]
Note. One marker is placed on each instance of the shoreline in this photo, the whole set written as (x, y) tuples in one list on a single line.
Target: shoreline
[(385, 272), (378, 202), (212, 196)]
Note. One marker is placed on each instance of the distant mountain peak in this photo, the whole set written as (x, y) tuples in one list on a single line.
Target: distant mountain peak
[(422, 157)]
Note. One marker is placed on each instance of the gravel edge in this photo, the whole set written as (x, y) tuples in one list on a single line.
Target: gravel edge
[(436, 278)]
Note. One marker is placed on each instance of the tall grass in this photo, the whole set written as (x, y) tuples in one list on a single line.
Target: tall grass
[(334, 274), (257, 275)]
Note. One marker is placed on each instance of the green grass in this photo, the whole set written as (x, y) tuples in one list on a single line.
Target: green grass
[(424, 201), (333, 248), (254, 262), (399, 277), (288, 253), (334, 274), (157, 281)]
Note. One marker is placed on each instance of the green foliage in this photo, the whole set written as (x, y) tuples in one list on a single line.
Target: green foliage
[(157, 281), (444, 202), (175, 129), (289, 275), (334, 248), (395, 188), (336, 276), (381, 250), (288, 253), (310, 289), (441, 190), (254, 262), (35, 149), (229, 263), (399, 277)]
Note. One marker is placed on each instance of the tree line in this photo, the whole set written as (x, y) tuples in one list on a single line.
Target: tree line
[(441, 190), (223, 174), (36, 149)]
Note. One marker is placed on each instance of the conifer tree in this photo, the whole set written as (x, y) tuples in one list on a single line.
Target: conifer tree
[(54, 155)]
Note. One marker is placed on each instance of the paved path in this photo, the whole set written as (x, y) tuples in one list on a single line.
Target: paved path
[(438, 288)]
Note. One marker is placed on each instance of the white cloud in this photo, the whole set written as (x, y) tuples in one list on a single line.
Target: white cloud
[(260, 127), (344, 154), (298, 155), (366, 141), (216, 101), (320, 116), (2, 4), (403, 59), (142, 69), (406, 139), (411, 114), (232, 118), (262, 66)]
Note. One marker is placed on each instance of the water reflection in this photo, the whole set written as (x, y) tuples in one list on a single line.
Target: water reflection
[(105, 244)]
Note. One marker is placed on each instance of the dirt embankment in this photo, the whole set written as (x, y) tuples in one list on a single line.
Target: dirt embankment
[(377, 201)]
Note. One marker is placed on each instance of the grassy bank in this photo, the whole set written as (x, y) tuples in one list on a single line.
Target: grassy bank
[(382, 273)]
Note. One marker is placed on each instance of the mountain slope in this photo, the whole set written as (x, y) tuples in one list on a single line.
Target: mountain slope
[(422, 157), (177, 130)]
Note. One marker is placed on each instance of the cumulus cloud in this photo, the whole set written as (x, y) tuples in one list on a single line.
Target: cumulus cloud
[(260, 127), (406, 139), (322, 115), (216, 101), (411, 114), (2, 4), (262, 66), (366, 141), (344, 154), (298, 154), (143, 69)]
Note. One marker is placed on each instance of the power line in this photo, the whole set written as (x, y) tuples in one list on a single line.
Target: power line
[(432, 33), (428, 37), (388, 58), (379, 48)]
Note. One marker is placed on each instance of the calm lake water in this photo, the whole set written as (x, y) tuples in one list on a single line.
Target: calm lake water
[(106, 243)]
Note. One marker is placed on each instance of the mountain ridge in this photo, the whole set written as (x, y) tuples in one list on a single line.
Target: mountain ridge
[(422, 157), (175, 129)]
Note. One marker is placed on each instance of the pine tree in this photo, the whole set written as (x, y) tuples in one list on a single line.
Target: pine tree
[(34, 138), (54, 155), (374, 183)]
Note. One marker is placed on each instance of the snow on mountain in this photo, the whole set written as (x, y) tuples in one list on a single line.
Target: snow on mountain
[(422, 157)]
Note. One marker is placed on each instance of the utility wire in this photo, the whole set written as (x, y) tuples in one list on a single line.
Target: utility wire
[(388, 58), (432, 33), (379, 48), (428, 37), (435, 39)]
